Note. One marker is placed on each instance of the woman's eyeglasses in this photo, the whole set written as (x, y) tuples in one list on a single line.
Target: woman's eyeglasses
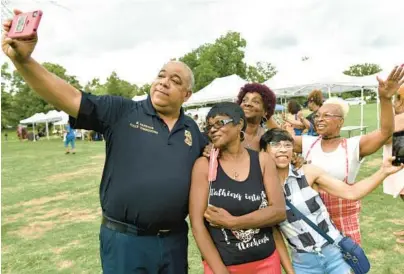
[(326, 116), (278, 145), (218, 124)]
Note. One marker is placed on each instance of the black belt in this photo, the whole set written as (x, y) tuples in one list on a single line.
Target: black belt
[(132, 229)]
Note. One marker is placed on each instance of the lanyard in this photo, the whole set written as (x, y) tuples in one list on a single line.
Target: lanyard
[(344, 146), (214, 152)]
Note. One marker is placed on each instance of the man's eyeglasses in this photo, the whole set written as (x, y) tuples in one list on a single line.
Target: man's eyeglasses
[(218, 124), (278, 145), (326, 116)]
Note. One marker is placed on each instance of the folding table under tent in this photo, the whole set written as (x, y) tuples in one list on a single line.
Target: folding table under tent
[(34, 119)]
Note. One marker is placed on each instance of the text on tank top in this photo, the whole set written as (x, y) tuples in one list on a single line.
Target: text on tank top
[(240, 198)]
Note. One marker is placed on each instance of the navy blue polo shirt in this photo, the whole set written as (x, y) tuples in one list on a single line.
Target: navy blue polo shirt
[(147, 172)]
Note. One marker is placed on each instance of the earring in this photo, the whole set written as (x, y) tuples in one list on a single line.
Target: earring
[(264, 120), (242, 135)]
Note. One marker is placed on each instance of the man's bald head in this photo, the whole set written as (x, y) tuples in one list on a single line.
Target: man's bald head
[(190, 74), (171, 88)]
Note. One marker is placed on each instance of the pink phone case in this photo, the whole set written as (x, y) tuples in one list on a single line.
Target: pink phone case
[(25, 24)]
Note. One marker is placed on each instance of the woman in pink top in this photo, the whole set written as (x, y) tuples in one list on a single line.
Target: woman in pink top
[(341, 157), (394, 185)]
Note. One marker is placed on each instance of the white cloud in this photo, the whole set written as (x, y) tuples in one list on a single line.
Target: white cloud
[(94, 37)]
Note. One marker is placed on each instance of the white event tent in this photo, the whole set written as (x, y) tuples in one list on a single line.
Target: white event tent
[(301, 79), (224, 89), (140, 97), (65, 119), (51, 117), (34, 119)]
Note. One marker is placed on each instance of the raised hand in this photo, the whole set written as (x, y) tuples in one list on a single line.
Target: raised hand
[(18, 50), (388, 87)]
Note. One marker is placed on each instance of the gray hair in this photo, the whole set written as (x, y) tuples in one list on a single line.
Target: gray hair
[(343, 105), (192, 78)]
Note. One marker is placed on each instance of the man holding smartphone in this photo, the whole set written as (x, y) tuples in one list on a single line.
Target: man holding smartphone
[(151, 147)]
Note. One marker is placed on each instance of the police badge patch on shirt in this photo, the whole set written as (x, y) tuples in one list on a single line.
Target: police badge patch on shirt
[(188, 138)]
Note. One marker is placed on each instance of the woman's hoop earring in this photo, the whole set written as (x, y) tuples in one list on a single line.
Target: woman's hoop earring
[(264, 120), (242, 135)]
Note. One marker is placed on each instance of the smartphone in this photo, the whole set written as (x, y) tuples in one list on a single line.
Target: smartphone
[(25, 25), (398, 148)]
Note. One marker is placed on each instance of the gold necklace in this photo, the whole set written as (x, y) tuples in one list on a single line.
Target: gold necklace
[(235, 173)]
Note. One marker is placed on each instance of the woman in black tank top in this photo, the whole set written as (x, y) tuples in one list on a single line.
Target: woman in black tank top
[(231, 233)]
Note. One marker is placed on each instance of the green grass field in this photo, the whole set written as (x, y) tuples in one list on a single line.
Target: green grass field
[(51, 213)]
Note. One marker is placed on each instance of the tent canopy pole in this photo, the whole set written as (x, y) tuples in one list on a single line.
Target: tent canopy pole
[(362, 110)]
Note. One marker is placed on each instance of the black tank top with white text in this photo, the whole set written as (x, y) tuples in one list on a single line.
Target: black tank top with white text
[(240, 198)]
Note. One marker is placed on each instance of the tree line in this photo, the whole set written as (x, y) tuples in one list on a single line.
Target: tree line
[(224, 57)]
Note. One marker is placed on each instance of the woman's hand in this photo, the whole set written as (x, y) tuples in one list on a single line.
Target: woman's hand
[(297, 160), (219, 217), (388, 168), (387, 88)]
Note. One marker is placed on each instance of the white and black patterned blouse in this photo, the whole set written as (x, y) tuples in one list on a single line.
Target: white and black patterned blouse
[(300, 235)]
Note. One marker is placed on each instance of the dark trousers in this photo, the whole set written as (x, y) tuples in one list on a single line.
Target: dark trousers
[(126, 253)]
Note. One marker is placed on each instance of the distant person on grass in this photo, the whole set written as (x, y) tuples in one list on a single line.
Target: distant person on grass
[(70, 139), (151, 147)]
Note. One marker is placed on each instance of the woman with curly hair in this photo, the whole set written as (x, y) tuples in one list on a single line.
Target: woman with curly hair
[(258, 103)]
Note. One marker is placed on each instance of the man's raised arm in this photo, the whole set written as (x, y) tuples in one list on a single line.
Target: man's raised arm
[(50, 87)]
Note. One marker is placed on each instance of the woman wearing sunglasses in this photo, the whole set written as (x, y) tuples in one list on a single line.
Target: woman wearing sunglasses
[(246, 190)]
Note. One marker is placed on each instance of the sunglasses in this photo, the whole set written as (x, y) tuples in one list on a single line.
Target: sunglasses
[(218, 124), (326, 116)]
